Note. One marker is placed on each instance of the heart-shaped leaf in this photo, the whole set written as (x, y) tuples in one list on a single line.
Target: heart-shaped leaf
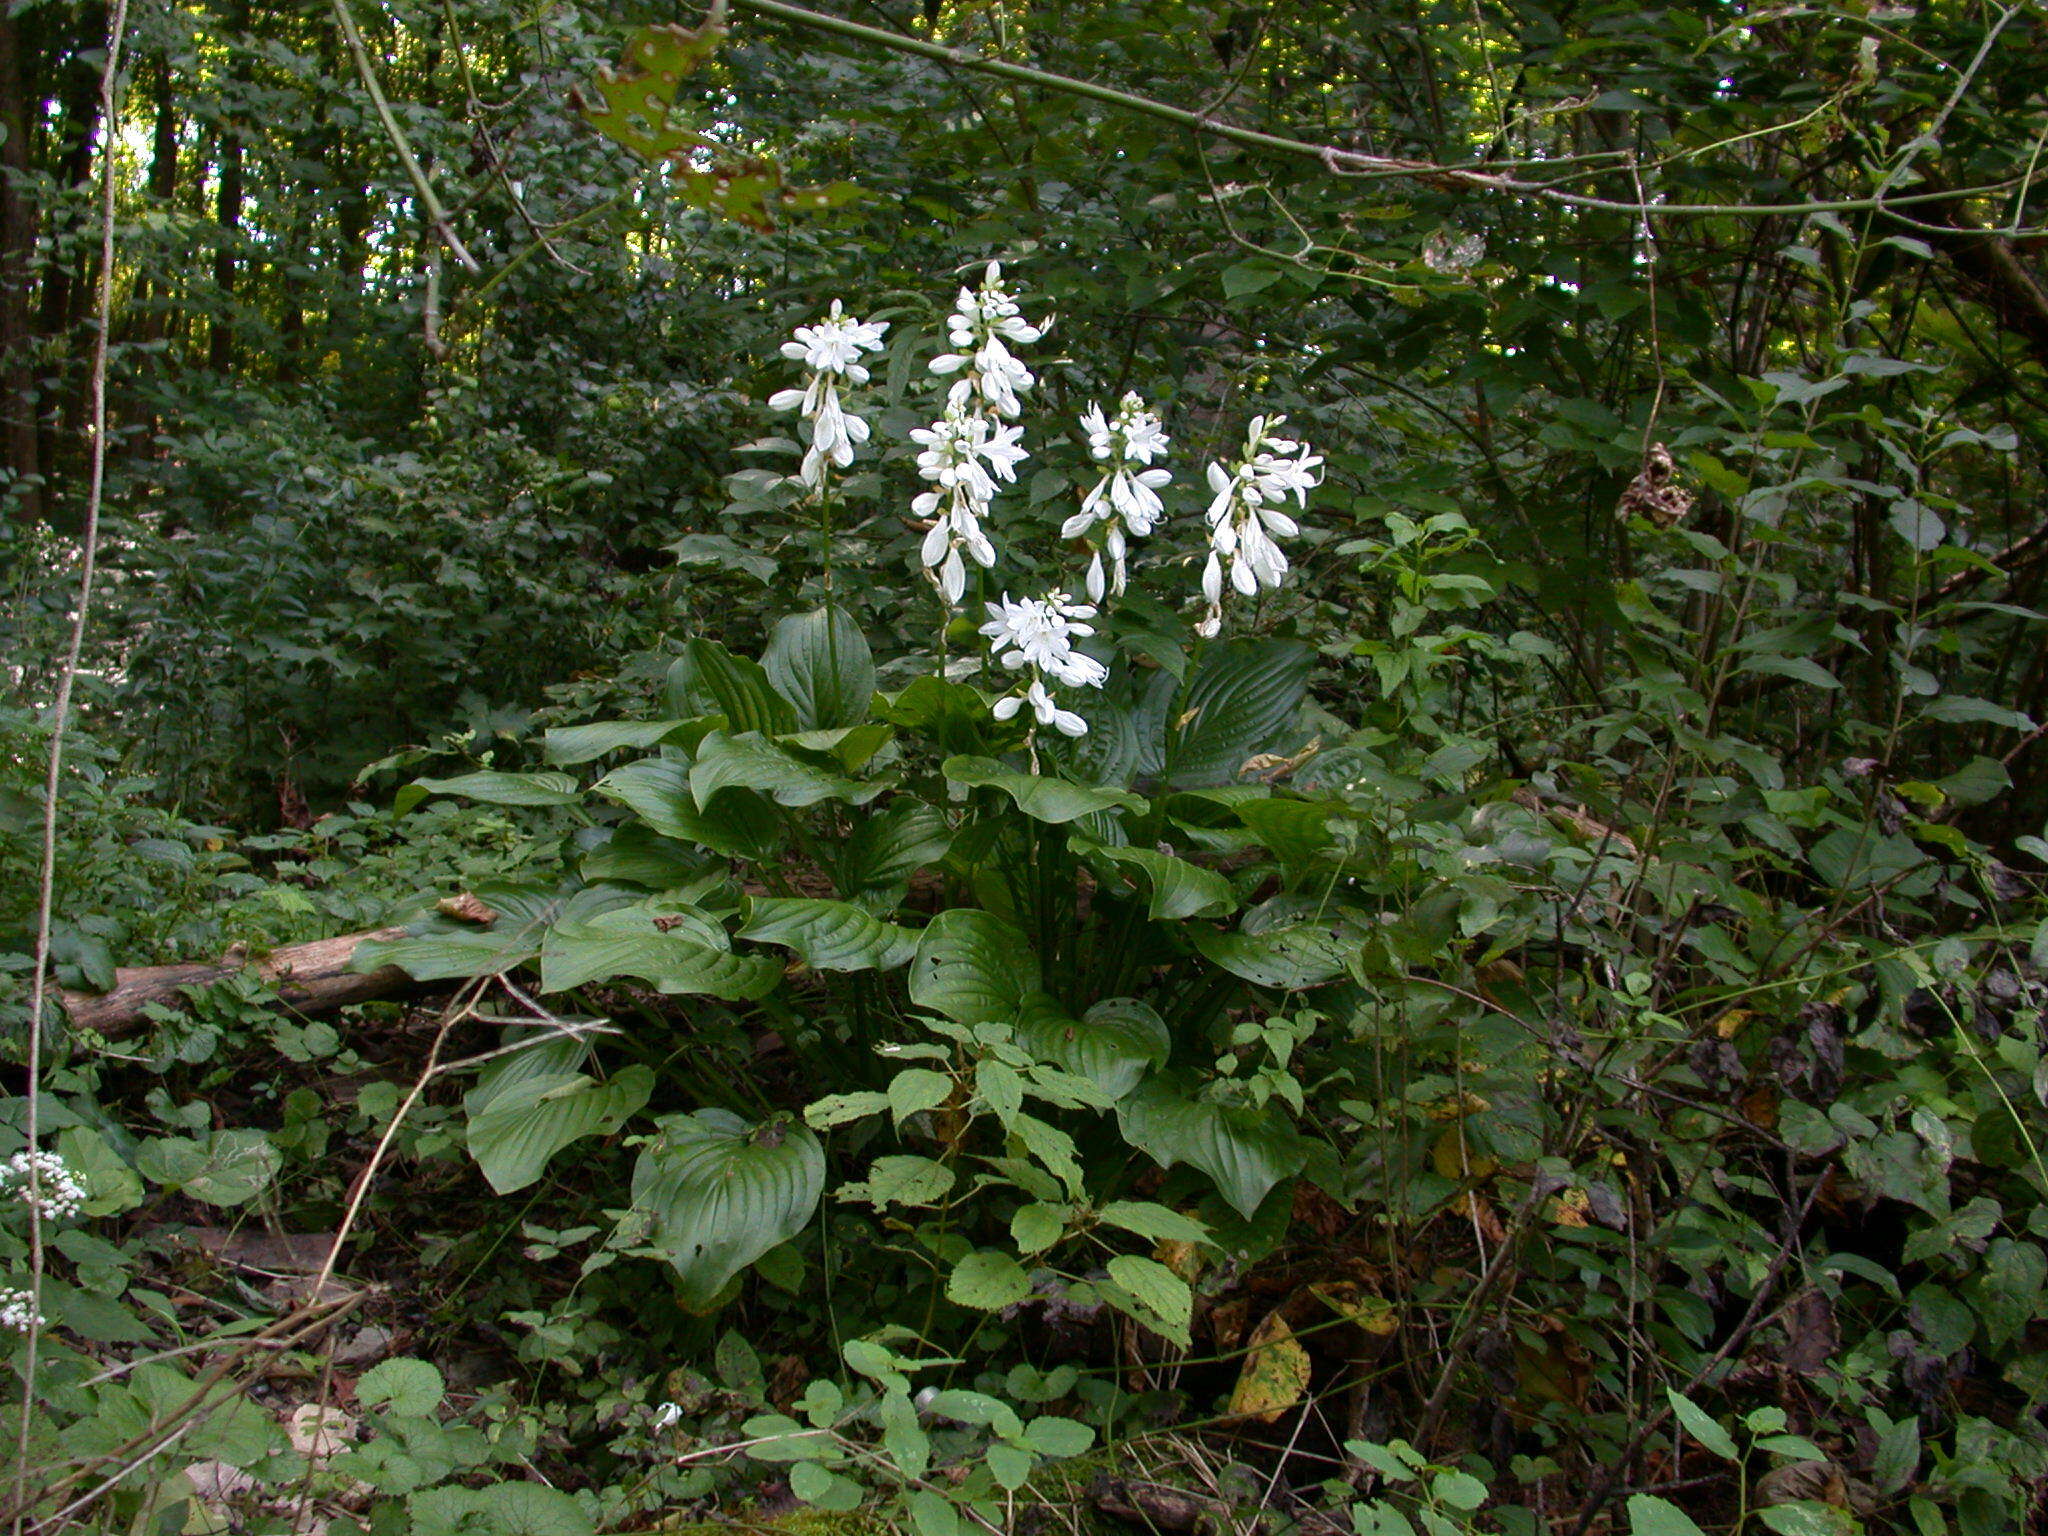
[(722, 1192), (1246, 1151), (820, 663), (514, 1132), (972, 967), (1118, 1041)]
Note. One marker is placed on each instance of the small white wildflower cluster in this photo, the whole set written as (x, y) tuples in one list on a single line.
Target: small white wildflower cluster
[(1125, 501), (45, 1181), (1244, 517), (969, 448), (18, 1311), (1039, 633), (831, 349)]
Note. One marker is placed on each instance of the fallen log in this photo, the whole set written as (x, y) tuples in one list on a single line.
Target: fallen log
[(312, 978)]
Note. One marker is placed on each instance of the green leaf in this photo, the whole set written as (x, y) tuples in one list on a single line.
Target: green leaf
[(742, 689), (1242, 696), (577, 954), (753, 762), (916, 1090), (1179, 889), (1152, 1221), (972, 967), (111, 1185), (223, 1168), (887, 849), (988, 1281), (722, 1192), (901, 1181), (829, 935), (820, 663), (1295, 830), (932, 1515), (1165, 1303), (440, 949), (1245, 1151), (1037, 796), (493, 789), (740, 825), (1300, 955), (530, 1509), (1037, 1226), (572, 744), (409, 1388), (1113, 1045), (952, 716), (844, 1109), (514, 1133), (1649, 1515), (1052, 1436), (1701, 1426), (1799, 668)]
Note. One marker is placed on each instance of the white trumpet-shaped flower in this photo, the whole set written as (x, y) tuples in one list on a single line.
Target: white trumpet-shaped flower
[(964, 456), (1245, 520), (831, 349), (1126, 499), (1038, 633), (985, 324)]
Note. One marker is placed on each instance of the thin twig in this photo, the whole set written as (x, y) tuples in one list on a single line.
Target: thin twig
[(46, 875)]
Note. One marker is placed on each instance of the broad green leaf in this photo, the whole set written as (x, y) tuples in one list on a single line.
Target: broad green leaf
[(514, 1133), (1298, 955), (636, 854), (722, 1192), (1152, 1221), (901, 1181), (441, 949), (1179, 889), (820, 663), (742, 688), (1113, 1045), (1164, 1301), (222, 1168), (972, 967), (740, 825), (1649, 1515), (1698, 1423), (1037, 796), (829, 935), (887, 849), (409, 1388), (844, 1109), (1245, 1151), (494, 789), (1037, 1226), (571, 744), (1053, 1436), (1295, 830), (111, 1185), (576, 955), (1242, 697), (1800, 669), (988, 1281), (916, 1090), (952, 716), (753, 762), (530, 1509)]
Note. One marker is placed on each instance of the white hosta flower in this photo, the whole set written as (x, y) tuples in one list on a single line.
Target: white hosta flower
[(1039, 632), (984, 325), (1245, 520), (18, 1311), (1127, 496), (831, 349), (45, 1180), (1065, 721), (668, 1415), (964, 456)]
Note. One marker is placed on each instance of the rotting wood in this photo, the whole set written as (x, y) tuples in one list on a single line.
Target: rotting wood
[(311, 978)]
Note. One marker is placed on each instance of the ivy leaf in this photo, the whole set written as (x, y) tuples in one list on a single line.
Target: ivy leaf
[(972, 967), (820, 663), (1242, 696), (722, 1192), (514, 1133), (829, 935), (1246, 1151)]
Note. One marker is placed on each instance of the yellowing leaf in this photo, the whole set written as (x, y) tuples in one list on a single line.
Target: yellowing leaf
[(1571, 1209), (1729, 1024), (1275, 1373)]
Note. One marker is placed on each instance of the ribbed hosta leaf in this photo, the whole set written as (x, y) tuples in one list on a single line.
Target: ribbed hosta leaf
[(1300, 955), (829, 935), (721, 1192), (1041, 798), (885, 850), (753, 762), (820, 663), (569, 744), (972, 967), (1179, 889), (577, 954), (493, 789), (657, 789), (517, 1128), (1242, 697), (741, 688), (444, 949), (1245, 1151), (1113, 1046)]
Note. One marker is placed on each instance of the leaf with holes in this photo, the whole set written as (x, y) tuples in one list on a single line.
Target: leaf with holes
[(1113, 1045), (972, 967)]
